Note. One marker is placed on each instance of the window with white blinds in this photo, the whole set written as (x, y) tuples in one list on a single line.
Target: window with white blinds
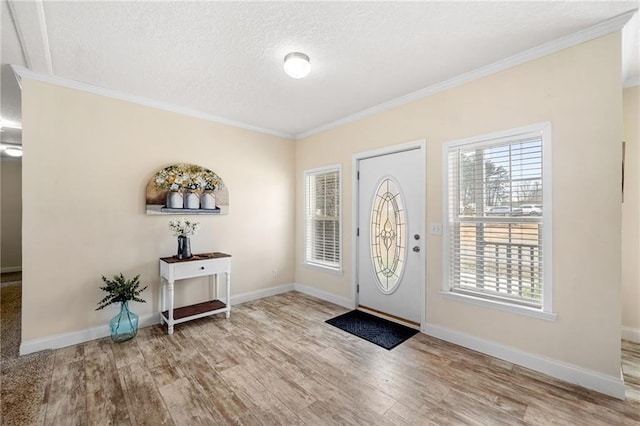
[(323, 218), (497, 212)]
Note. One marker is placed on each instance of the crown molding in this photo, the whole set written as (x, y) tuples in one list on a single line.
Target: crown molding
[(603, 28), (22, 73), (31, 27), (44, 36)]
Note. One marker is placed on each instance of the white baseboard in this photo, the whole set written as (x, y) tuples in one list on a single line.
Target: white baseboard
[(631, 334), (237, 299), (11, 269), (609, 385), (75, 337), (311, 291)]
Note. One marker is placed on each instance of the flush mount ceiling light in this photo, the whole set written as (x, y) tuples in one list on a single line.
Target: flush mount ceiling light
[(297, 65)]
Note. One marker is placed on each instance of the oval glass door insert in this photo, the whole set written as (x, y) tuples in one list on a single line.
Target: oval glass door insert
[(388, 235)]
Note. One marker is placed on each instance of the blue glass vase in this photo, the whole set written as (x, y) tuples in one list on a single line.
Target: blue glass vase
[(124, 326)]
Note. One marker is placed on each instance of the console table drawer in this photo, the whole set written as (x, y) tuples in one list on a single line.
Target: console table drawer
[(200, 268)]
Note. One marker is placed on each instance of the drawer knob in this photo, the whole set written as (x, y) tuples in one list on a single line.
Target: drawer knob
[(202, 267)]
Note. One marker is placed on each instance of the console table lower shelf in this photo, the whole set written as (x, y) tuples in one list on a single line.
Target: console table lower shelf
[(198, 310)]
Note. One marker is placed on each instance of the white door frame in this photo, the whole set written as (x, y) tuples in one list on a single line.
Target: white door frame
[(421, 145)]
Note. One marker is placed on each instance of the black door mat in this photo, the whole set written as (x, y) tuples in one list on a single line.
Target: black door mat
[(379, 331)]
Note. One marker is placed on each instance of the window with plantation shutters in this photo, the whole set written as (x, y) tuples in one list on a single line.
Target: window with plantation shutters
[(322, 218), (497, 198)]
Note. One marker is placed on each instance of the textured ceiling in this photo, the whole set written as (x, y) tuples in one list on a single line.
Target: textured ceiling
[(225, 58)]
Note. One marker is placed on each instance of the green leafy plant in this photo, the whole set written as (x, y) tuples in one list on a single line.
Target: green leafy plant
[(119, 290)]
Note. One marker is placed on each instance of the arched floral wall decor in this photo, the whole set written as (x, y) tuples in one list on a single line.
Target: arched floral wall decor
[(186, 189)]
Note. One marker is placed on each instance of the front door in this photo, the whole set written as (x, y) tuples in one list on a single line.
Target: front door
[(390, 242)]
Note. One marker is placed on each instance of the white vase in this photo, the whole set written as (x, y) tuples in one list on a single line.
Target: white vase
[(174, 200), (208, 200), (191, 200)]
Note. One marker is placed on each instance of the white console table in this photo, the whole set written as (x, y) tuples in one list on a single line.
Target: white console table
[(206, 264)]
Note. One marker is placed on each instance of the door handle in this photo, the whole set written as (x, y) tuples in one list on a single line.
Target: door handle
[(416, 249)]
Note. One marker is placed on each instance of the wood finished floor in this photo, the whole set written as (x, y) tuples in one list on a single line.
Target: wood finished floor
[(275, 361)]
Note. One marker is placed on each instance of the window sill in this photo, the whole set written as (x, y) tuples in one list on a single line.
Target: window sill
[(501, 306), (323, 268)]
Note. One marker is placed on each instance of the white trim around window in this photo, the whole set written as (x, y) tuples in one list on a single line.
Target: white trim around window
[(323, 218), (456, 211)]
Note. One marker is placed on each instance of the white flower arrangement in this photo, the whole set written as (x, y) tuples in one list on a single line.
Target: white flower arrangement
[(183, 227)]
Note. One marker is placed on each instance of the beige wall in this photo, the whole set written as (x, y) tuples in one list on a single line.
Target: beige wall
[(11, 205), (631, 213), (87, 162), (579, 91)]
